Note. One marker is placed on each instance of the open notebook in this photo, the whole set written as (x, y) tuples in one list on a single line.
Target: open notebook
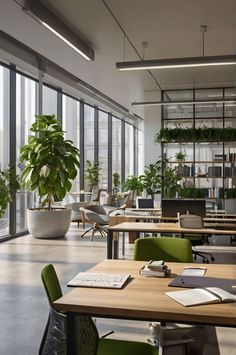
[(92, 279), (200, 296)]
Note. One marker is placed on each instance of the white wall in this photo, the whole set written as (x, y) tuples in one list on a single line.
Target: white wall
[(152, 126)]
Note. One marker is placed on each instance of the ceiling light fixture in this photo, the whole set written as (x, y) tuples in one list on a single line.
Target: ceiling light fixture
[(175, 63), (49, 20), (167, 103), (172, 63)]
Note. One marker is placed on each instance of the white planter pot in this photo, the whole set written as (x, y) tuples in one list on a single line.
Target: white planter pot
[(48, 224)]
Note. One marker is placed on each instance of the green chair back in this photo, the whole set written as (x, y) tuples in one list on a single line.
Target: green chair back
[(163, 248), (51, 283)]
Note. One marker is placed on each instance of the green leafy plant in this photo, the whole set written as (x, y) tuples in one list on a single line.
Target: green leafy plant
[(51, 161), (200, 134), (134, 183), (170, 183), (92, 173), (116, 180), (9, 184), (151, 179), (180, 156)]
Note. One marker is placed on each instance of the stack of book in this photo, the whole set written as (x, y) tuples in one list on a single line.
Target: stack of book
[(156, 269)]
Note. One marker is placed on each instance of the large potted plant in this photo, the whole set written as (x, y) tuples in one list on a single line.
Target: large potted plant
[(9, 184), (51, 164)]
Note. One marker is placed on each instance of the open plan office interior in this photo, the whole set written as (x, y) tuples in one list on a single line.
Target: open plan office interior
[(117, 129)]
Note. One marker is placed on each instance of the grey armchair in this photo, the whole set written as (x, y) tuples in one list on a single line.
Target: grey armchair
[(97, 217)]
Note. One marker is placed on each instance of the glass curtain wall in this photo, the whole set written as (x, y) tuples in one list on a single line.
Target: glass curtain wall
[(93, 133), (103, 147), (49, 101), (26, 108), (129, 150), (71, 125), (4, 135), (116, 145), (140, 152)]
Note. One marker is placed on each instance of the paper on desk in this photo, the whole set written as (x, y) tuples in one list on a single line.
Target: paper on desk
[(194, 271)]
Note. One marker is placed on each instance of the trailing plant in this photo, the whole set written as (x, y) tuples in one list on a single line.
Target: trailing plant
[(152, 179), (200, 134), (9, 184), (134, 183), (51, 161), (92, 173)]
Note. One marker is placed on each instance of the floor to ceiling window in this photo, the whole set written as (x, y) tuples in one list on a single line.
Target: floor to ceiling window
[(129, 149), (26, 108), (49, 101), (71, 125), (103, 146), (4, 135), (92, 130), (116, 145)]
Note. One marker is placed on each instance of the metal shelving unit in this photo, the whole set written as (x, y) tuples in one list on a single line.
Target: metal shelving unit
[(210, 165)]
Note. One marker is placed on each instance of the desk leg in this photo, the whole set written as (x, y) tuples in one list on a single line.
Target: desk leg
[(116, 248), (109, 244), (70, 334)]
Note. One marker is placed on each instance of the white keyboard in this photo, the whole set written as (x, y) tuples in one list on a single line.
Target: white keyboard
[(91, 279)]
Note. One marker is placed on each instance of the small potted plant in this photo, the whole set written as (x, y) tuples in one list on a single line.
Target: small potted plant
[(51, 164), (182, 169), (9, 184)]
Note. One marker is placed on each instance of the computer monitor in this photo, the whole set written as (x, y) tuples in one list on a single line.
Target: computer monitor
[(145, 203), (170, 208)]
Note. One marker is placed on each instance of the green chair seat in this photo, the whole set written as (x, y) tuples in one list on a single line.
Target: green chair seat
[(163, 248), (124, 347)]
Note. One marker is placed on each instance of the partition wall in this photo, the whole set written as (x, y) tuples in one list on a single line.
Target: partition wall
[(103, 136)]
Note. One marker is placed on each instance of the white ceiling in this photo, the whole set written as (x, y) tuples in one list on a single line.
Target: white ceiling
[(171, 28)]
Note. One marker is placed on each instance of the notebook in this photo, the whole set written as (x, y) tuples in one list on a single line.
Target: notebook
[(200, 296), (91, 279)]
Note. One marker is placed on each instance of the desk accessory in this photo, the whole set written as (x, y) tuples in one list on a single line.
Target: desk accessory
[(155, 268), (199, 281)]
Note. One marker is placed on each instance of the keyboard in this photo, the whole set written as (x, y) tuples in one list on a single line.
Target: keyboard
[(91, 279)]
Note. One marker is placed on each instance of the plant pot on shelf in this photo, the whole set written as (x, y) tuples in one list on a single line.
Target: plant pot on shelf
[(48, 224), (183, 170)]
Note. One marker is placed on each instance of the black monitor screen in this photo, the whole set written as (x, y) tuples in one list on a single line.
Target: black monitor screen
[(145, 203), (170, 208)]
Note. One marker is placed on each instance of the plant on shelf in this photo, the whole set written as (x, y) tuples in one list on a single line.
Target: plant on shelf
[(51, 164), (9, 184), (182, 169), (151, 179), (92, 173), (201, 134), (171, 183)]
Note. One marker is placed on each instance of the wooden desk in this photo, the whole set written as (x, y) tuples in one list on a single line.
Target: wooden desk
[(154, 228), (143, 298)]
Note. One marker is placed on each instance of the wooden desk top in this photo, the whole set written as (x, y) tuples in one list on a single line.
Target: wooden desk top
[(165, 228), (143, 298)]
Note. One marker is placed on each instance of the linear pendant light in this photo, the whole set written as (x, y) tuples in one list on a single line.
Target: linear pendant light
[(48, 19), (196, 102), (173, 63)]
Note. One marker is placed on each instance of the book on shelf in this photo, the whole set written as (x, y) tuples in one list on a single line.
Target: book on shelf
[(201, 296)]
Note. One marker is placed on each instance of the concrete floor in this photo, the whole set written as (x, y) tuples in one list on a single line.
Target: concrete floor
[(23, 305)]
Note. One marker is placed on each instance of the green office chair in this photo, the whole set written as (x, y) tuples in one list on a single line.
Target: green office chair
[(87, 340), (163, 248)]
